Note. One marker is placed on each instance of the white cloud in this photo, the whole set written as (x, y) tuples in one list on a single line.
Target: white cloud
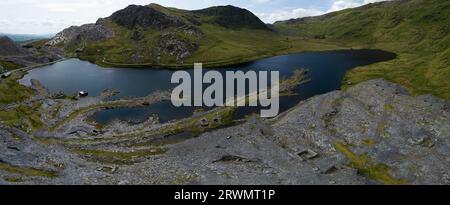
[(343, 4), (288, 14), (261, 1), (4, 22), (63, 7), (72, 6)]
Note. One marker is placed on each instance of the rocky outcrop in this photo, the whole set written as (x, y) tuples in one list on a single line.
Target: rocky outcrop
[(169, 44), (373, 133), (9, 48), (376, 128), (80, 34), (145, 17)]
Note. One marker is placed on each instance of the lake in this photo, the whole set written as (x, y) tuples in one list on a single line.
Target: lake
[(325, 71)]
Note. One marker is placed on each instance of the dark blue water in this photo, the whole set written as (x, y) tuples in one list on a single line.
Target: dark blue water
[(165, 111), (325, 70)]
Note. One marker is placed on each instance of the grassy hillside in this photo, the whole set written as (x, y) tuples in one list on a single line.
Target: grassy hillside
[(417, 30), (172, 37), (8, 65), (11, 91), (165, 33), (219, 47)]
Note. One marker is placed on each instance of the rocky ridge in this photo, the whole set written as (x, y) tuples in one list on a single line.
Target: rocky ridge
[(82, 34), (233, 17), (145, 17)]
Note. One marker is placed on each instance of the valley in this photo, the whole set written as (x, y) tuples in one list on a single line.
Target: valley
[(418, 31), (364, 99)]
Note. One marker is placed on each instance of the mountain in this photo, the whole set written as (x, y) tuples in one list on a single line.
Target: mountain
[(14, 55), (156, 35), (232, 17), (9, 48), (153, 35), (79, 34), (146, 17), (26, 37), (417, 30)]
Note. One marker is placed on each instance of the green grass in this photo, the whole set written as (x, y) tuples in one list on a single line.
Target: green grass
[(368, 142), (23, 116), (56, 111), (417, 30), (366, 167), (119, 157), (9, 65), (27, 171), (13, 179), (221, 44), (11, 91)]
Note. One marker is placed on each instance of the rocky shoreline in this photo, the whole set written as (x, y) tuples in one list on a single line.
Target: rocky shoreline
[(373, 133)]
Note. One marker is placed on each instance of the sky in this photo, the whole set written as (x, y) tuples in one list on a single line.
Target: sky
[(52, 16)]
